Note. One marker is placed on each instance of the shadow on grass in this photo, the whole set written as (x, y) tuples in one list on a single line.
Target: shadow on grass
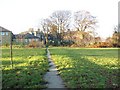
[(28, 75), (86, 73)]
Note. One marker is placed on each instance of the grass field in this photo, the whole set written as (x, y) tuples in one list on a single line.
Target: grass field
[(87, 68), (79, 68), (29, 67)]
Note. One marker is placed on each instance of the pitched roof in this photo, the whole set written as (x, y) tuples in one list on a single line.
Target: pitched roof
[(30, 36), (26, 36), (3, 29)]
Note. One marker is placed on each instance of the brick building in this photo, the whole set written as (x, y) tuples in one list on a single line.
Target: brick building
[(5, 36)]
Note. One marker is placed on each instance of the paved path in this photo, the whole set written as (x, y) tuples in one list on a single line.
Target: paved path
[(52, 77)]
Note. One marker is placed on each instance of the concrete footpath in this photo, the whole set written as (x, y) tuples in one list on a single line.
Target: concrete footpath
[(52, 77)]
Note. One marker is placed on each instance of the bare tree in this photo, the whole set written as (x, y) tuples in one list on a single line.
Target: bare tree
[(61, 19), (116, 29), (84, 20), (59, 22), (45, 23), (116, 37)]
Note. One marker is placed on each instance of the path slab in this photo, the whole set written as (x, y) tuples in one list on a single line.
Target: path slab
[(52, 77)]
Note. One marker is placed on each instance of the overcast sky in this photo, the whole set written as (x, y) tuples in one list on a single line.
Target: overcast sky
[(20, 15)]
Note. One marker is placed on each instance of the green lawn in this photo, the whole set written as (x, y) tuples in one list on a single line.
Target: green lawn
[(79, 68), (87, 68), (29, 67)]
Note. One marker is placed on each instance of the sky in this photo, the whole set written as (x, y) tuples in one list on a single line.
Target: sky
[(20, 15)]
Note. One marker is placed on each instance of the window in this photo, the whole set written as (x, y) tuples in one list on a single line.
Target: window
[(6, 33), (2, 33)]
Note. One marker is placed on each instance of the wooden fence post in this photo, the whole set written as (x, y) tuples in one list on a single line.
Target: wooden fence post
[(11, 50)]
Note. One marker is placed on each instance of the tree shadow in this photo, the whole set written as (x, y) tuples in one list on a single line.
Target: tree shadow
[(28, 75), (85, 73)]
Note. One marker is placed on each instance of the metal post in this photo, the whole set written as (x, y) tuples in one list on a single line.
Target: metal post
[(11, 50)]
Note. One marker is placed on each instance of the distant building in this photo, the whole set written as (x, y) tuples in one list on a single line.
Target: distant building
[(25, 38), (39, 34), (5, 36), (36, 33), (28, 37)]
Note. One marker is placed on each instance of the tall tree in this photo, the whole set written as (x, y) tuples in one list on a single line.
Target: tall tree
[(61, 19), (45, 23), (116, 37), (84, 20)]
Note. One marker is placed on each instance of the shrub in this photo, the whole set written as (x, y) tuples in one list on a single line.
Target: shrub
[(54, 42), (35, 44), (67, 42), (101, 45)]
